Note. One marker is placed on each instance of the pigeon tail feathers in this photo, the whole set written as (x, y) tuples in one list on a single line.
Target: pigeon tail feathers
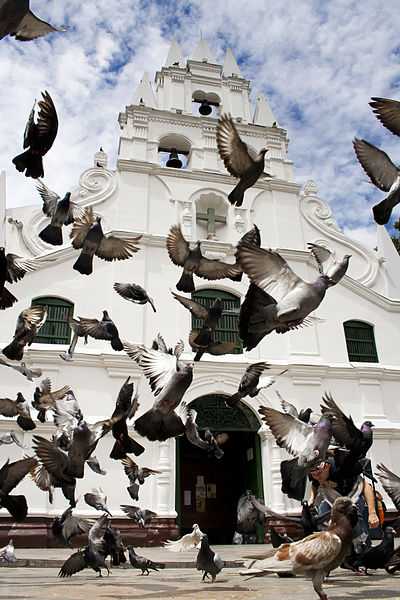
[(6, 299), (382, 212), (84, 264), (236, 196), (33, 164), (157, 426), (16, 506), (186, 283), (52, 235), (14, 351)]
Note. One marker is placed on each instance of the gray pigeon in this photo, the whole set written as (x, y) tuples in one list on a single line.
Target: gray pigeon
[(97, 499), (248, 517), (252, 382), (134, 293), (99, 330), (238, 159), (169, 379), (18, 21), (17, 408), (383, 173), (388, 113), (94, 464), (141, 516), (189, 416), (142, 563), (11, 438), (78, 330), (287, 300), (193, 262), (329, 264), (23, 369), (208, 561), (215, 348), (7, 554), (309, 444), (67, 526), (210, 316), (60, 211)]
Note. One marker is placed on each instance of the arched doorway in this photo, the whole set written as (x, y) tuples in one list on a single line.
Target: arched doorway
[(207, 489)]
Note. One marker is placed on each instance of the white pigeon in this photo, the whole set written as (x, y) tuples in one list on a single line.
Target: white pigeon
[(328, 263), (7, 554), (190, 541)]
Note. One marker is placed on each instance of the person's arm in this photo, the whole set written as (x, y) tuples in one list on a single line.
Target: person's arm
[(369, 496), (312, 495)]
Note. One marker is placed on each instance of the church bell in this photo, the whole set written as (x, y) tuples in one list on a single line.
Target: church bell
[(174, 160), (205, 109)]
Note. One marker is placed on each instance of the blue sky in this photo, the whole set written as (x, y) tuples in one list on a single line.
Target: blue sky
[(318, 63)]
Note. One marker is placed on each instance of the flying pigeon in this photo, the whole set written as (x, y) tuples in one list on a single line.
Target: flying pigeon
[(193, 262), (142, 563), (238, 159), (99, 330), (136, 474), (11, 438), (23, 369), (18, 21), (210, 445), (383, 173), (215, 348), (306, 415), (315, 555), (207, 560), (17, 408), (141, 516), (186, 542), (388, 113), (93, 463), (61, 212), (391, 484), (12, 269), (87, 235), (287, 299), (134, 293), (125, 408), (29, 322), (169, 379), (78, 330), (67, 526), (328, 263), (252, 382), (97, 499), (10, 476), (39, 137), (45, 399)]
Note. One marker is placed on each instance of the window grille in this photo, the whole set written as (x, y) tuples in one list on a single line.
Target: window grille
[(360, 341), (56, 329), (228, 326)]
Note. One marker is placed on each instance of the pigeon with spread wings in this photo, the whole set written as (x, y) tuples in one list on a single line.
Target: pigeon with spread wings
[(87, 235), (252, 383), (215, 348), (190, 541), (141, 516), (29, 322), (391, 484), (30, 374), (210, 316), (238, 159), (329, 264), (136, 473), (45, 399), (18, 21), (38, 138), (134, 293), (287, 299), (12, 269), (383, 173), (169, 379), (17, 408), (67, 526), (194, 263), (61, 212), (98, 330)]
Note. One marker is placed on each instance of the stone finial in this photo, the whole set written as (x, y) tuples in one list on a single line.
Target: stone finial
[(263, 114), (175, 56), (100, 159), (230, 66), (310, 188), (202, 52), (144, 94)]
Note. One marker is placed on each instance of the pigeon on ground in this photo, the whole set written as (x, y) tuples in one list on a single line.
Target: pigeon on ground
[(391, 484), (87, 235), (97, 499), (315, 555), (18, 21), (30, 374), (208, 561), (210, 316), (12, 269), (140, 516), (214, 348), (17, 408), (11, 438), (190, 541), (10, 476), (393, 564), (93, 463), (329, 264), (383, 173), (67, 526), (194, 263), (388, 113), (238, 159), (39, 137), (125, 408), (61, 212), (134, 293), (279, 538), (29, 322), (252, 383), (99, 330), (7, 554), (357, 441), (144, 564), (290, 298), (377, 557), (44, 399), (136, 474), (169, 379), (309, 444), (114, 546), (93, 555)]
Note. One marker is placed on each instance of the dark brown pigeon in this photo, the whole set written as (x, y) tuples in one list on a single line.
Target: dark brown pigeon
[(134, 474), (391, 484), (383, 173), (210, 316), (10, 476), (44, 399), (101, 330), (29, 322), (134, 293), (12, 269), (215, 348), (144, 564), (388, 113), (238, 159), (17, 408), (67, 526), (125, 408), (39, 138), (251, 383), (61, 212), (18, 21), (208, 561), (193, 262), (87, 235)]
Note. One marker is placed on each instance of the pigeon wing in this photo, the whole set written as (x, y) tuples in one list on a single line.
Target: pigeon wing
[(53, 458), (17, 267), (287, 407), (220, 348), (216, 269), (75, 563), (130, 468), (130, 511), (343, 428), (185, 543), (291, 433), (252, 375), (198, 310), (157, 366), (96, 532), (113, 248), (81, 227), (31, 27), (232, 149), (177, 246), (30, 127), (391, 484), (8, 407), (12, 473), (388, 113), (74, 526), (47, 124), (50, 198), (377, 164)]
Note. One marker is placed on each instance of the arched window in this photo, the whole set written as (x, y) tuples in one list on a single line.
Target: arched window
[(56, 329), (360, 341), (228, 326), (206, 104), (173, 151)]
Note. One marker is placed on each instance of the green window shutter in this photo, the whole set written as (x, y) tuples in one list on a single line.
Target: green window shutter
[(228, 326), (56, 329), (360, 341)]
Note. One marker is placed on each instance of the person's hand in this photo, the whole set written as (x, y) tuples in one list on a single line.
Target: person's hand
[(373, 520)]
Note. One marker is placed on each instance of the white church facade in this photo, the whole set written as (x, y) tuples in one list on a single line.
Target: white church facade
[(352, 350)]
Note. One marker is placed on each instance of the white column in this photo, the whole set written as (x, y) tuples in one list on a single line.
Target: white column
[(2, 208), (165, 484), (271, 460)]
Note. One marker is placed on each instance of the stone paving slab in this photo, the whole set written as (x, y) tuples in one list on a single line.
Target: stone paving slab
[(185, 584)]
